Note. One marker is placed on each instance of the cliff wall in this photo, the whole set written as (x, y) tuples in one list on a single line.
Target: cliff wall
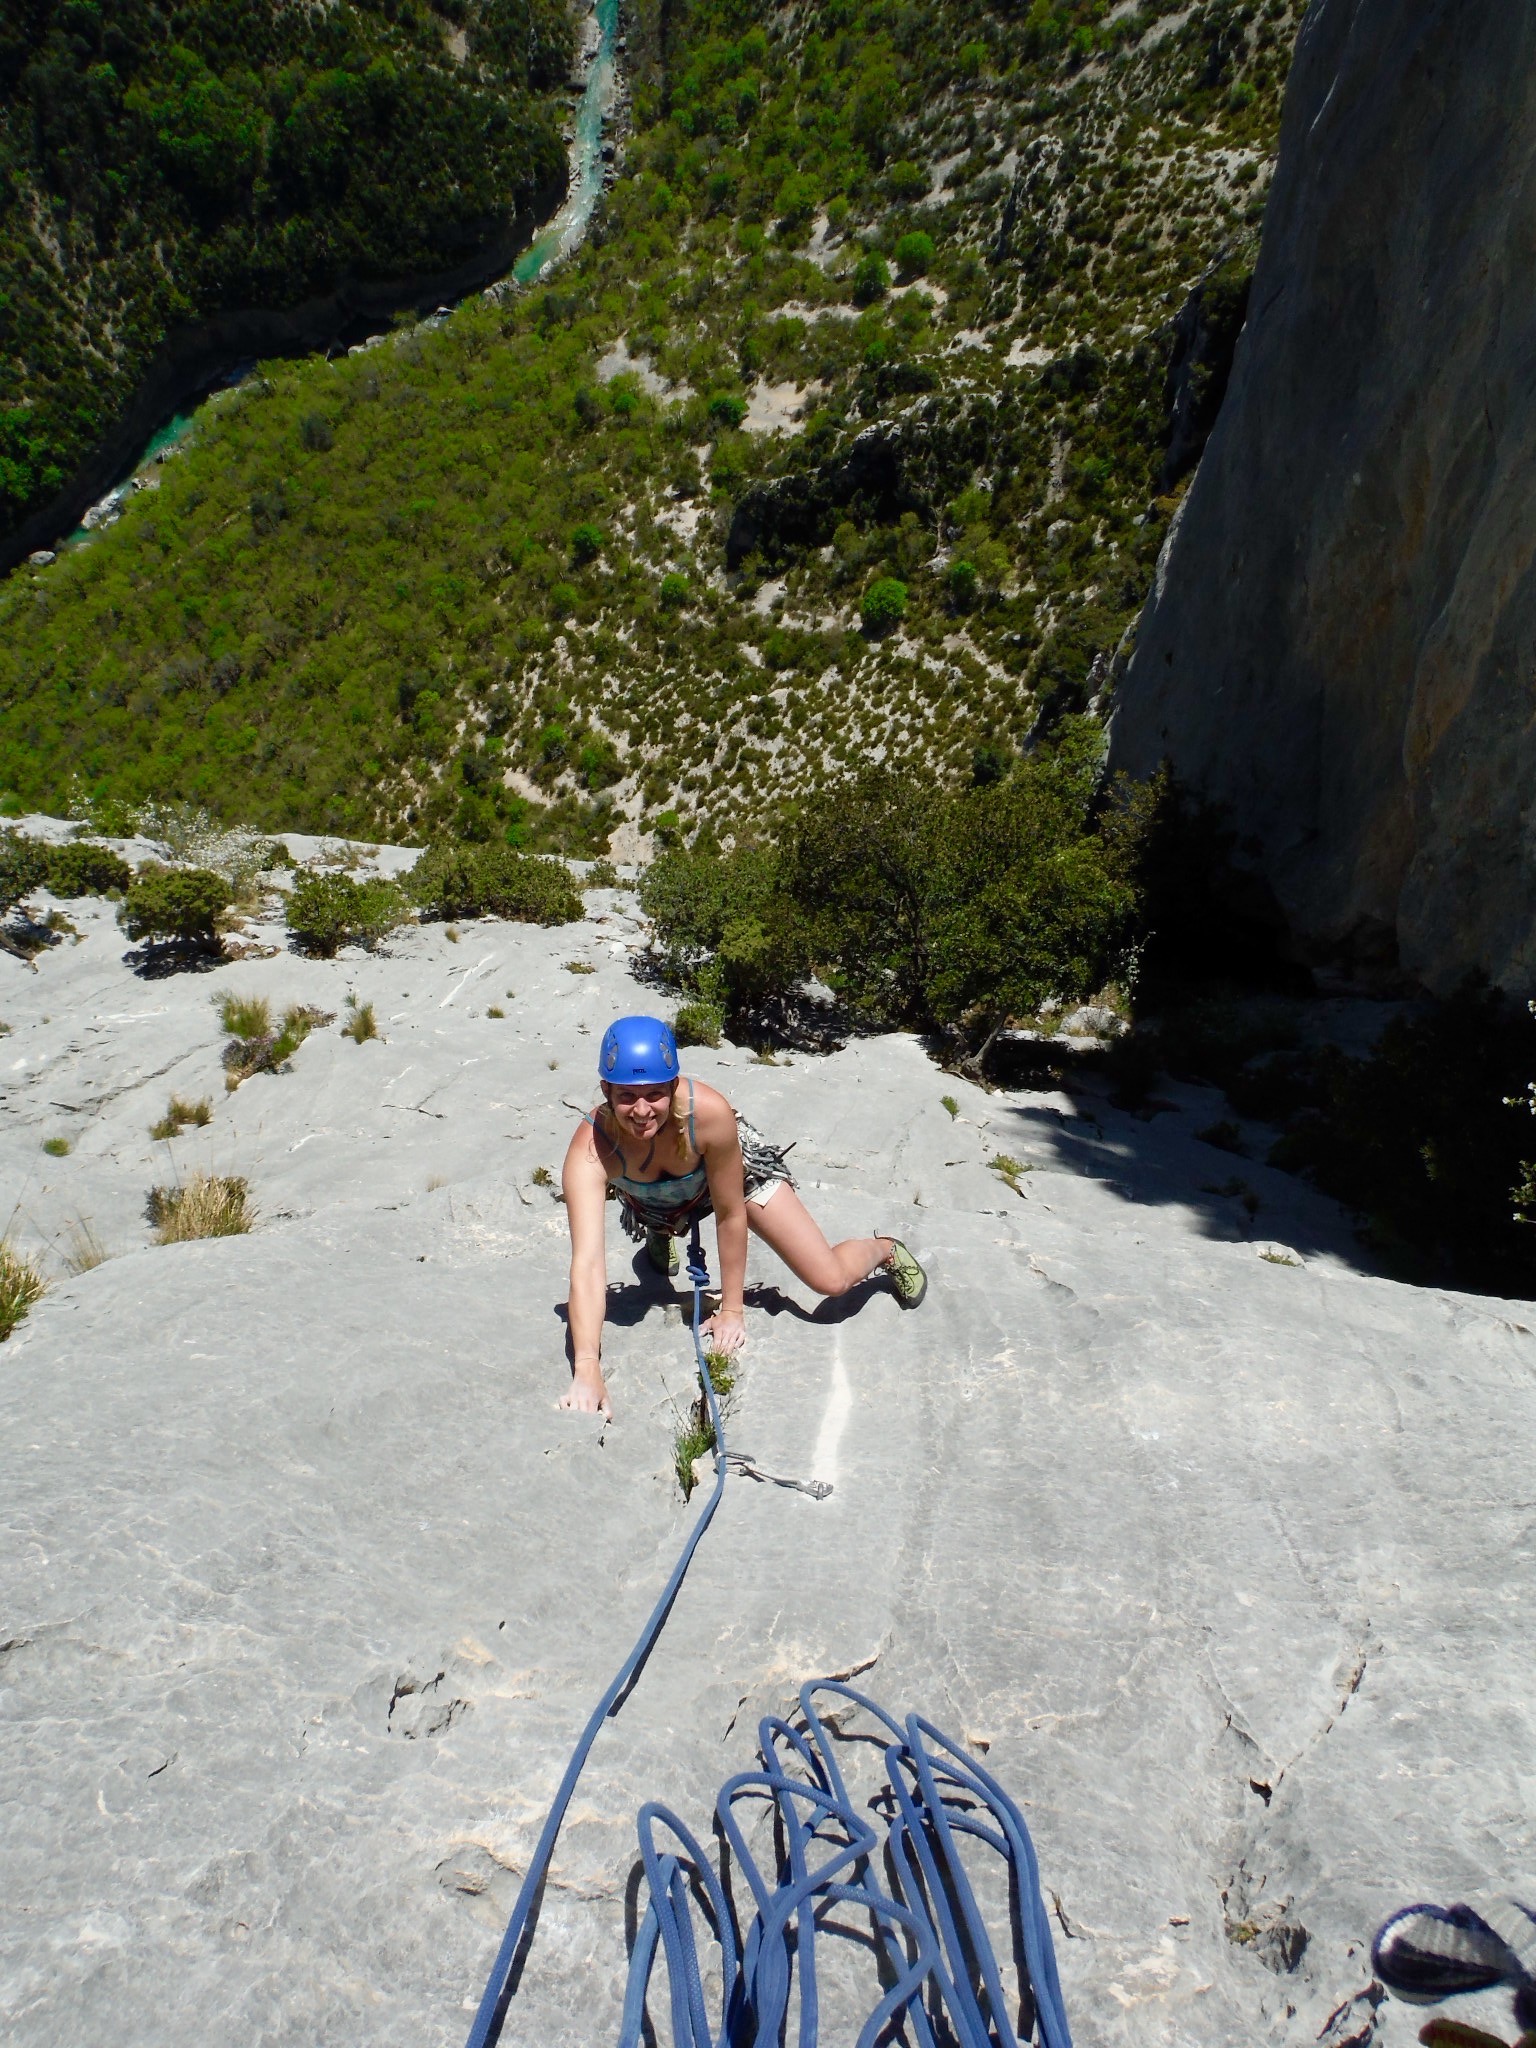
[(1341, 642)]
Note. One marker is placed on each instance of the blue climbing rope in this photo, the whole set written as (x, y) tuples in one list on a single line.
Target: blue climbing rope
[(938, 1969), (929, 1932), (507, 1966)]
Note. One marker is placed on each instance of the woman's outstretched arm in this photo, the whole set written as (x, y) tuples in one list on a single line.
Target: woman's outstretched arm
[(586, 1190)]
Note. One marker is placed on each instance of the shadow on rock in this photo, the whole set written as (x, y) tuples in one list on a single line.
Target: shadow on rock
[(158, 959)]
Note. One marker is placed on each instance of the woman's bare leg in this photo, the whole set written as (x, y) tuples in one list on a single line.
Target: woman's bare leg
[(788, 1227)]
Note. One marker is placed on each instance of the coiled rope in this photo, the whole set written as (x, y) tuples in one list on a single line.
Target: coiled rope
[(507, 1967), (930, 1934), (938, 1967)]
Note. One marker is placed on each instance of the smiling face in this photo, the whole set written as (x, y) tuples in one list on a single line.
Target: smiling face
[(641, 1111)]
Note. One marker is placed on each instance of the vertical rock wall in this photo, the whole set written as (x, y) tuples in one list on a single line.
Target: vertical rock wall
[(1341, 644)]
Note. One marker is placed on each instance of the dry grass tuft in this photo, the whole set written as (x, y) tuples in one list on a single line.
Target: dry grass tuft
[(205, 1205), (179, 1113), (83, 1249), (20, 1286), (244, 1016), (361, 1024)]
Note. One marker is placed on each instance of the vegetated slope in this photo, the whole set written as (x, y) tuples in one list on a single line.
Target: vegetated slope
[(629, 539), (160, 164)]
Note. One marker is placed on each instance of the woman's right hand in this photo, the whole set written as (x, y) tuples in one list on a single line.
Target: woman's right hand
[(588, 1392)]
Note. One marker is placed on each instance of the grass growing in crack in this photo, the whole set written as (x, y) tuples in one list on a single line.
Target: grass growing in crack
[(579, 967), (695, 1437), (948, 1102), (542, 1177), (179, 1113), (1009, 1169), (1278, 1259), (21, 1285), (57, 1148), (265, 1051), (495, 1010), (361, 1024), (83, 1249), (204, 1205)]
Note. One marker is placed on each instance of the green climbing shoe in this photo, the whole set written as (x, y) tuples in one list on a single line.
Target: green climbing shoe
[(909, 1283), (661, 1250)]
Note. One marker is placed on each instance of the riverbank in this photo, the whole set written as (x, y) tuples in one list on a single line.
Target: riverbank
[(195, 362)]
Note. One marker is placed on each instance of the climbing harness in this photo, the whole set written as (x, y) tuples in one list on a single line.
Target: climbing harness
[(929, 1932), (940, 1976), (506, 1968)]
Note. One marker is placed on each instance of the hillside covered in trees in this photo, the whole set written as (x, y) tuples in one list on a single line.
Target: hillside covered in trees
[(164, 160), (853, 433)]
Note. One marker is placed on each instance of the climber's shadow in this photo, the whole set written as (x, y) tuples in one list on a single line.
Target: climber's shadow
[(773, 1301)]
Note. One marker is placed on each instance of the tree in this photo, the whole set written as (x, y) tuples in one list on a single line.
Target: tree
[(871, 278), (180, 906), (884, 605), (914, 254)]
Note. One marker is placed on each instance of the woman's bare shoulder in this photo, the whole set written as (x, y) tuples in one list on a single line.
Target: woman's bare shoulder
[(713, 1117)]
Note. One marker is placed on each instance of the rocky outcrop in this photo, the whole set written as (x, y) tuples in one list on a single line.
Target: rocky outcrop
[(1342, 639), (306, 1589)]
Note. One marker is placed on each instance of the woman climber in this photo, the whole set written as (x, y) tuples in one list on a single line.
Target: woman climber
[(673, 1150)]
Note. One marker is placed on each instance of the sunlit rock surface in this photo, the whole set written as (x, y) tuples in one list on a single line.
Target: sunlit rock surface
[(306, 1587), (1341, 641)]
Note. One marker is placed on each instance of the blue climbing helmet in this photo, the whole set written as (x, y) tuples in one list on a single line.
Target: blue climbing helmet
[(637, 1049)]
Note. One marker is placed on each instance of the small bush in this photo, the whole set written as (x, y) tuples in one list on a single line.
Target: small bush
[(260, 1049), (586, 542), (179, 1113), (727, 410), (673, 592), (601, 875), (948, 1102), (23, 867), (84, 869), (914, 255), (884, 605), (495, 1010), (21, 1285), (180, 907), (205, 1205), (361, 1024), (57, 1148), (579, 967), (962, 579), (325, 912), (698, 1024), (497, 881), (871, 279)]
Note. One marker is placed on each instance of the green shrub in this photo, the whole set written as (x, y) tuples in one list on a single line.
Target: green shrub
[(698, 1023), (884, 605), (327, 911), (914, 254), (674, 591), (586, 542), (727, 410), (180, 906), (83, 869), (906, 182), (961, 579), (728, 933), (601, 875), (871, 279), (497, 881), (23, 867), (961, 910)]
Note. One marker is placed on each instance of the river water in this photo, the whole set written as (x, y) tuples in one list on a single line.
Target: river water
[(561, 234)]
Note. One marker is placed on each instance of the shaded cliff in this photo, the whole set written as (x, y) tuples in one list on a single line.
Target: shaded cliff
[(1340, 643)]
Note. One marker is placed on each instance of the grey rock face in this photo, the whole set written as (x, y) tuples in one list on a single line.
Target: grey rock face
[(1217, 1548), (1342, 641)]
